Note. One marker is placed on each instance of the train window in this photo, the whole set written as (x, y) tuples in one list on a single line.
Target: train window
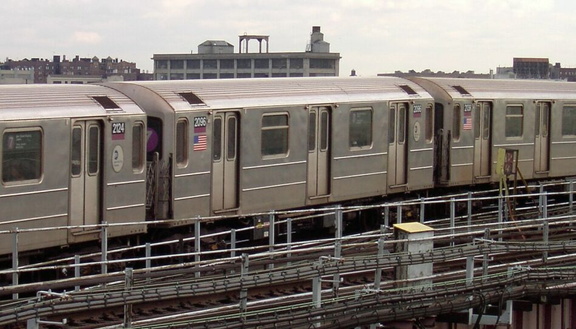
[(231, 143), (22, 156), (456, 121), (401, 124), (312, 131), (274, 137), (477, 122), (324, 131), (514, 121), (360, 128), (93, 150), (76, 156), (182, 142), (217, 140), (137, 146), (429, 116), (392, 125), (569, 120)]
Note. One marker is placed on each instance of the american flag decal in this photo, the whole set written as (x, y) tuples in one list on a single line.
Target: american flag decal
[(467, 124), (200, 142)]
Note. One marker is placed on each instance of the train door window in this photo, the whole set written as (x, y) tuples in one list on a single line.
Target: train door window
[(401, 126), (429, 117), (93, 150), (217, 139), (182, 142), (514, 121), (232, 127), (312, 131), (324, 131), (154, 138), (392, 127), (274, 135), (360, 128), (486, 124), (76, 156), (456, 122), (569, 120), (137, 146), (477, 122), (22, 156)]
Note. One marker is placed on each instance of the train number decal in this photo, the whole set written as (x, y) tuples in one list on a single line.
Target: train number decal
[(118, 130), (200, 124)]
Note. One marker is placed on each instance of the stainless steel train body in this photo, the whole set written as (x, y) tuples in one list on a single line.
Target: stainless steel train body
[(76, 155), (536, 118), (243, 146), (71, 155)]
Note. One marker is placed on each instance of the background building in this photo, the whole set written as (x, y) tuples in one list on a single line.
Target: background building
[(531, 68), (79, 70), (217, 60)]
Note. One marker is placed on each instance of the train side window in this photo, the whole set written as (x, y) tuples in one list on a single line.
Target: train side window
[(360, 128), (231, 143), (76, 153), (456, 122), (429, 116), (274, 135), (137, 146), (182, 142), (22, 156), (93, 150), (217, 140), (569, 120), (312, 132), (514, 121)]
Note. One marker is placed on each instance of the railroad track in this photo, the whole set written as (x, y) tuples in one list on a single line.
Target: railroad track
[(174, 294)]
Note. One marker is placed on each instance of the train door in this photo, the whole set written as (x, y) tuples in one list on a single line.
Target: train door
[(225, 161), (542, 137), (319, 151), (397, 145), (482, 139), (86, 173)]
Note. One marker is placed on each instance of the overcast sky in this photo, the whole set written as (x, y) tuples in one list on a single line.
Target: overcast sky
[(372, 36)]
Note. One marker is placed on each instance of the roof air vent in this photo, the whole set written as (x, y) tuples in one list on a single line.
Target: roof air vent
[(408, 90), (461, 90), (106, 102), (191, 98)]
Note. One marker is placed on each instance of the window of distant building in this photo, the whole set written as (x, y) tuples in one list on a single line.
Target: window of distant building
[(226, 64), (262, 63), (210, 64), (297, 63), (176, 64), (321, 63), (162, 64), (279, 63), (193, 64), (244, 63)]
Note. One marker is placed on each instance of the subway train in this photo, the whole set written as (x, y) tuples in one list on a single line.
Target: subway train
[(123, 153)]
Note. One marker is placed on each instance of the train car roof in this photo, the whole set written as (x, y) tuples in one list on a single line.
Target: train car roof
[(40, 101), (498, 88), (184, 95)]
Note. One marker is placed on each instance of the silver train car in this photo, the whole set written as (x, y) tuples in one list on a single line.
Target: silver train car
[(244, 146), (479, 116), (71, 156), (124, 152)]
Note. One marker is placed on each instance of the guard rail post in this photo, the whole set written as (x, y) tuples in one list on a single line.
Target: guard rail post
[(104, 247), (15, 261), (244, 290), (271, 236)]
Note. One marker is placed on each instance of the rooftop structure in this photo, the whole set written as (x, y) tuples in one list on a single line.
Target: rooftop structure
[(216, 59)]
